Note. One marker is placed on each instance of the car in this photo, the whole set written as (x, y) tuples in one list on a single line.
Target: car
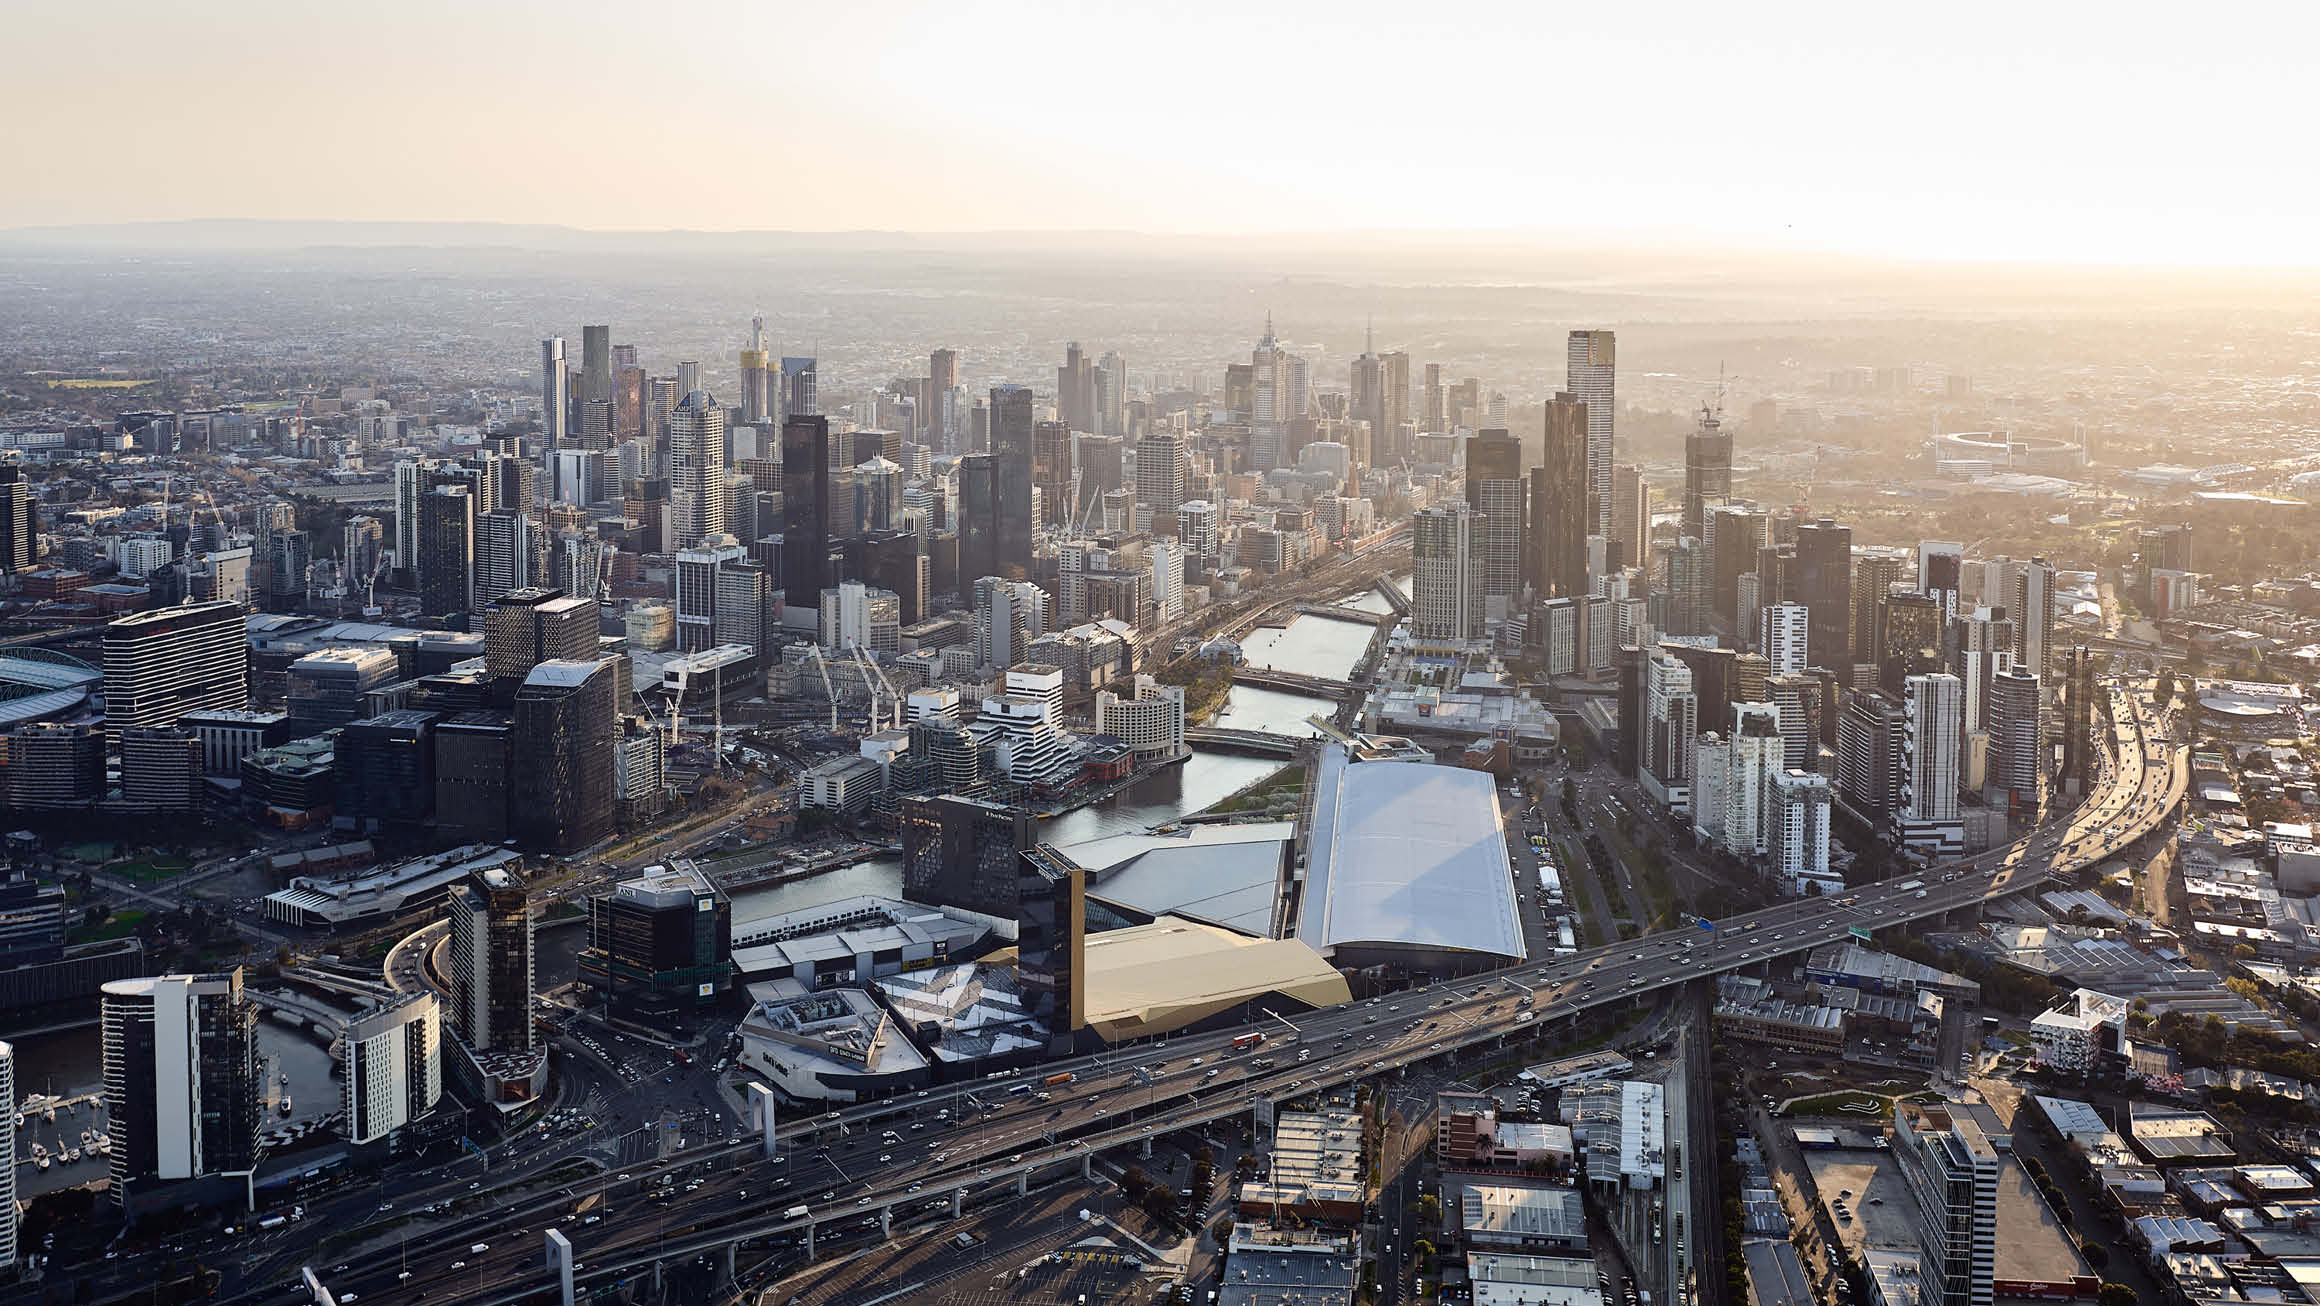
[(885, 1160), (473, 1186), (386, 1206), (861, 1201), (459, 1265)]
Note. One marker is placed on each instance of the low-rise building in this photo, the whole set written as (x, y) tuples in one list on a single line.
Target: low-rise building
[(835, 1045)]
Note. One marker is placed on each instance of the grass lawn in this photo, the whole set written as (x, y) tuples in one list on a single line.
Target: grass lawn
[(96, 383), (1849, 1102), (150, 870), (1288, 780), (119, 926), (94, 854)]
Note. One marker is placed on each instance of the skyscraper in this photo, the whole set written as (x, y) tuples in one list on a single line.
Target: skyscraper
[(566, 715), (1909, 638), (505, 549), (1630, 540), (1446, 574), (595, 364), (756, 378), (2017, 736), (805, 532), (961, 852), (978, 518), (555, 393), (943, 380), (1671, 714), (2033, 612), (1075, 389), (1874, 576), (446, 551), (1707, 471), (1367, 402), (1940, 572), (1161, 472), (1926, 816), (181, 1077), (1395, 402), (1801, 827), (700, 500), (1591, 362), (491, 964), (1494, 489), (1559, 501), (1785, 635), (696, 589), (801, 389), (1798, 700), (391, 1066), (660, 948), (1011, 460), (1735, 534), (1983, 645), (1950, 1172), (165, 662), (534, 625), (1824, 581)]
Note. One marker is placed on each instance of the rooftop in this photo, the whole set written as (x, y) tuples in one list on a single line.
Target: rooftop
[(1411, 855), (1150, 979), (1227, 875)]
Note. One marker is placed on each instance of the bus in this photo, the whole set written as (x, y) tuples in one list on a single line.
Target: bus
[(1059, 1077), (1242, 1041)]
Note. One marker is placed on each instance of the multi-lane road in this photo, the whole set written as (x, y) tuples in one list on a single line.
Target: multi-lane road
[(908, 1157)]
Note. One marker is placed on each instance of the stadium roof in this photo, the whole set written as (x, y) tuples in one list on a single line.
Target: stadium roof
[(1411, 855)]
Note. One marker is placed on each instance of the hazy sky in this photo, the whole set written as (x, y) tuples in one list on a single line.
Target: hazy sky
[(2019, 130)]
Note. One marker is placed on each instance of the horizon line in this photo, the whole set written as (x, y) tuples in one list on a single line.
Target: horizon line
[(1666, 240)]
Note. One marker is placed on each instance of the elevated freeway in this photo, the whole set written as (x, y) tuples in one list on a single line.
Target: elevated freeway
[(921, 1156)]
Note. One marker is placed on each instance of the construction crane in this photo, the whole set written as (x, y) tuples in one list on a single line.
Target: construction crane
[(815, 651), (875, 675)]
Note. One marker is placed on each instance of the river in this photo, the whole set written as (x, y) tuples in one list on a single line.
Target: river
[(1317, 646)]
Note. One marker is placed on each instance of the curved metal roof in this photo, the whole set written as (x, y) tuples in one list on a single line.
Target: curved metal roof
[(1408, 854)]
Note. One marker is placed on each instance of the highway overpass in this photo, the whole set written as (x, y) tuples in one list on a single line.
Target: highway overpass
[(845, 1168)]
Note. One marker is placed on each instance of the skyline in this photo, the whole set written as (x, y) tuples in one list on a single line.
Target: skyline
[(1827, 132)]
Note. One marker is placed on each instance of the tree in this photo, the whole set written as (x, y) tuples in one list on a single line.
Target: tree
[(2115, 1294), (1429, 1210), (1135, 1183), (2096, 1254), (1570, 794), (1160, 1204)]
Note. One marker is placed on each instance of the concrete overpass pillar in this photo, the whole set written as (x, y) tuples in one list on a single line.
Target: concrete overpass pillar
[(729, 1270), (1087, 1166), (958, 1202), (656, 1278), (886, 1222), (761, 1114), (1147, 1148), (809, 1240), (1023, 1184), (560, 1261)]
